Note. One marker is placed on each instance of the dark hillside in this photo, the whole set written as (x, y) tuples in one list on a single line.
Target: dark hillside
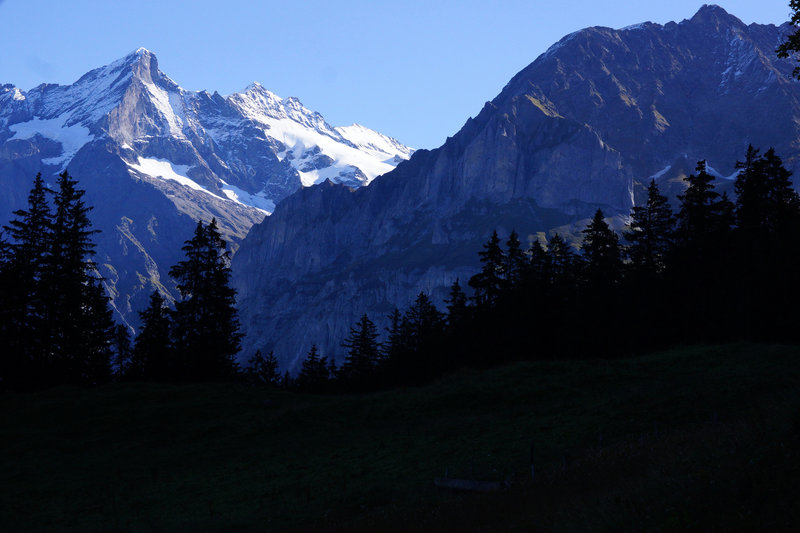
[(697, 438)]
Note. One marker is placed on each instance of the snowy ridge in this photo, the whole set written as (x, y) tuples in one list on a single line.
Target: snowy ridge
[(374, 142), (155, 158), (353, 155), (160, 127)]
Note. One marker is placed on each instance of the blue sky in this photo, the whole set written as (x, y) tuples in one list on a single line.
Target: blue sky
[(415, 70)]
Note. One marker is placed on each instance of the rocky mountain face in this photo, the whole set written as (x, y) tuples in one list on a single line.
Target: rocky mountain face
[(585, 126), (155, 158)]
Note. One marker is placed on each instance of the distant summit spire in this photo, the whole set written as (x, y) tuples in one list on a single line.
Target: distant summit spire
[(137, 55), (143, 63), (712, 13)]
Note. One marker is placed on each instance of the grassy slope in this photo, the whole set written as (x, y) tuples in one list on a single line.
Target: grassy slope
[(691, 438)]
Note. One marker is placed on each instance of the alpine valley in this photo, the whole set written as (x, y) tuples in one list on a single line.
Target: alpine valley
[(155, 158), (587, 125)]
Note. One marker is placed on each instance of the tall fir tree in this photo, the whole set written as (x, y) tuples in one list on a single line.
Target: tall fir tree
[(153, 357), (488, 284), (264, 369), (206, 335), (790, 47), (81, 329), (705, 216), (314, 373), (650, 233), (602, 256), (515, 260), (457, 308), (699, 272), (363, 353), (767, 240), (538, 270), (10, 357), (424, 324), (28, 352), (561, 261), (766, 202), (395, 343)]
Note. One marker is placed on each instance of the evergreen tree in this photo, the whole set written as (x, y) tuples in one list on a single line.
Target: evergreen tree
[(457, 309), (539, 266), (10, 357), (264, 369), (286, 381), (81, 325), (766, 202), (363, 352), (25, 306), (700, 272), (423, 324), (601, 253), (650, 232), (333, 371), (515, 260), (767, 237), (152, 356), (490, 281), (791, 46), (561, 261), (395, 342), (705, 216), (314, 376), (206, 333)]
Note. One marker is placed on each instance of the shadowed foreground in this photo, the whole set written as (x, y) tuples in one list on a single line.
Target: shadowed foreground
[(691, 438)]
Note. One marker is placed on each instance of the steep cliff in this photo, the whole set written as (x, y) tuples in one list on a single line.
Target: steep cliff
[(586, 125)]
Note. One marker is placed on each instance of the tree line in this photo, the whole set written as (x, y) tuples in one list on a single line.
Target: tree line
[(714, 270), (56, 322)]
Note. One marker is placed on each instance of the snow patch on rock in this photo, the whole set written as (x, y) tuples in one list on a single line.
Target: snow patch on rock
[(72, 138)]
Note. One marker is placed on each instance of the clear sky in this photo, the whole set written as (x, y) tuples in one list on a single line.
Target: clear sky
[(415, 70)]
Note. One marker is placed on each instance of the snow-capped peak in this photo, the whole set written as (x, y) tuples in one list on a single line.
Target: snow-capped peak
[(135, 105), (354, 155)]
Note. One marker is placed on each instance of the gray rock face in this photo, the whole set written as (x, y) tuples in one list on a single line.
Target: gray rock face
[(586, 125), (155, 158)]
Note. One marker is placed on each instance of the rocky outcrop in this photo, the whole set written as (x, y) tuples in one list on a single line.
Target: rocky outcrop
[(586, 125)]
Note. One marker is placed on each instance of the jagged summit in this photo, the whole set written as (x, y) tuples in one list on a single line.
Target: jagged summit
[(714, 10), (141, 63), (714, 14), (165, 157)]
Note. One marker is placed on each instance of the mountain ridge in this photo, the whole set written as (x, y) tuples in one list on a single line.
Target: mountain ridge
[(229, 158), (585, 126)]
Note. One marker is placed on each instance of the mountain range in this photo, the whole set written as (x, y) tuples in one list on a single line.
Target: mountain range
[(155, 158), (587, 125)]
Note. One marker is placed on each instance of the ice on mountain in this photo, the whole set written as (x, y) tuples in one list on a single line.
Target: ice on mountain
[(163, 169), (661, 172), (717, 174), (301, 138), (259, 201), (71, 138)]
